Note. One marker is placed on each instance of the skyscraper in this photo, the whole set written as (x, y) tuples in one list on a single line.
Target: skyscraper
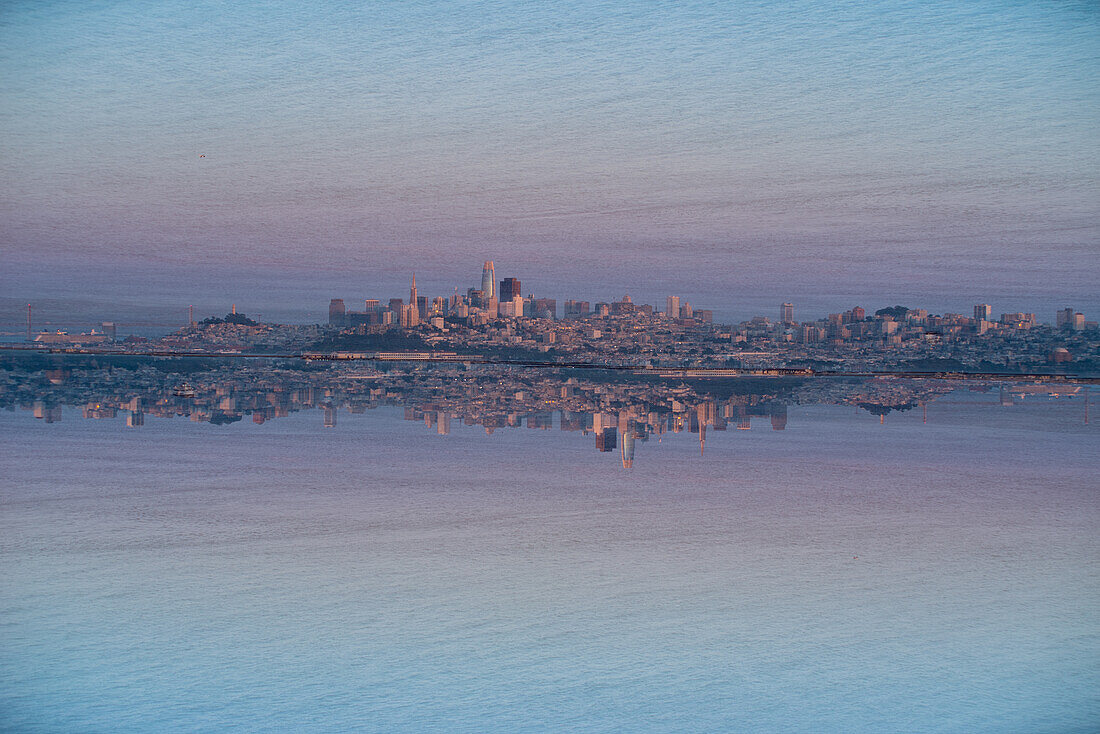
[(509, 289), (779, 416), (488, 280), (336, 311), (983, 312), (786, 313), (606, 439), (410, 316), (412, 291), (672, 307), (628, 446)]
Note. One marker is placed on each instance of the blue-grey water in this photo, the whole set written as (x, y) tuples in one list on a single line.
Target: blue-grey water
[(839, 575)]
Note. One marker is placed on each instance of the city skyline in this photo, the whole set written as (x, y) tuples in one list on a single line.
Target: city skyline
[(513, 286), (509, 288), (492, 322)]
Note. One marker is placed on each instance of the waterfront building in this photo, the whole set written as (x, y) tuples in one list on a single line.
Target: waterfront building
[(64, 337)]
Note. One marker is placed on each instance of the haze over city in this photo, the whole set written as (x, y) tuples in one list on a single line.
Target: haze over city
[(273, 154)]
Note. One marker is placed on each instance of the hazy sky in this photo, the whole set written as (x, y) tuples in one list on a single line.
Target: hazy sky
[(945, 153)]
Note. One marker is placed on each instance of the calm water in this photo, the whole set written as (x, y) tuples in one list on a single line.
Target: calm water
[(838, 575)]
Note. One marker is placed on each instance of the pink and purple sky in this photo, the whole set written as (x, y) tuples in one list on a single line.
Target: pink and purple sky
[(277, 154)]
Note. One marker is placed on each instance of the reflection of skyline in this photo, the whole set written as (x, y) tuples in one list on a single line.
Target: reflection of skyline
[(616, 414)]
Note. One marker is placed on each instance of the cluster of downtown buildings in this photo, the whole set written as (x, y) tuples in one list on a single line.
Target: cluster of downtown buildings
[(494, 319), (495, 316), (493, 300)]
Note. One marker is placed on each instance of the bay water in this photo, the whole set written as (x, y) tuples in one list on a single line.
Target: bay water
[(934, 573)]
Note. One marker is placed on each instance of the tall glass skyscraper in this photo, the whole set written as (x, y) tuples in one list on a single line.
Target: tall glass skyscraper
[(488, 280)]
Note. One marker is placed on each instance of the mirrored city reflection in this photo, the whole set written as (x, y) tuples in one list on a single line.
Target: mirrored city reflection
[(615, 411)]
